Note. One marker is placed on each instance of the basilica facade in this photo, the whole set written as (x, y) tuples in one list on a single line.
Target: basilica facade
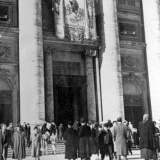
[(61, 60)]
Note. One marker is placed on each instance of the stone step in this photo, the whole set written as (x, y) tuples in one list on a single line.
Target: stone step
[(60, 149)]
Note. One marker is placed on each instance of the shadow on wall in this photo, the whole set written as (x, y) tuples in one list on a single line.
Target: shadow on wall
[(100, 28)]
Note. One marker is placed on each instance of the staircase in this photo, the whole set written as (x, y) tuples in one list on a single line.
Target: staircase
[(60, 149)]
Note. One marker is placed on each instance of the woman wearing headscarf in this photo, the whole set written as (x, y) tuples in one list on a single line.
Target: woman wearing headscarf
[(147, 141)]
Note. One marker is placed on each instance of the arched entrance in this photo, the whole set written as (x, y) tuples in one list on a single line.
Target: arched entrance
[(5, 102), (133, 103)]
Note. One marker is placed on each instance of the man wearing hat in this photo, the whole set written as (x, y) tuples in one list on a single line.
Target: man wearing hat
[(71, 138), (120, 135), (106, 142), (84, 142)]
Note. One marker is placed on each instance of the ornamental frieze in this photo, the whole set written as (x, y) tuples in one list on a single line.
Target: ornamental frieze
[(131, 61)]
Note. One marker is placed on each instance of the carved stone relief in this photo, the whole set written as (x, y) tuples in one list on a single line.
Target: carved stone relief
[(8, 73), (7, 52), (134, 79), (132, 62)]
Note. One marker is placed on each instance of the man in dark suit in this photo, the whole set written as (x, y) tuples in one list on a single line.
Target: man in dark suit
[(6, 137), (84, 134)]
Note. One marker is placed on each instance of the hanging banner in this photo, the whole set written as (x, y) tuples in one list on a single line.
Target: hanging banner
[(75, 19)]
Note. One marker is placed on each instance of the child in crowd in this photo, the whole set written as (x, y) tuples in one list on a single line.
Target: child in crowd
[(53, 142)]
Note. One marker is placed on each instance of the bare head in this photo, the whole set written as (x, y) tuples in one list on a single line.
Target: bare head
[(145, 117)]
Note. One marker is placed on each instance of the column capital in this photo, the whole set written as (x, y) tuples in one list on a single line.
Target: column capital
[(49, 50), (89, 53)]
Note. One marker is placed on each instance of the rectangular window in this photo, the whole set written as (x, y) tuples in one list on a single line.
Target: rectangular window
[(4, 13), (126, 29)]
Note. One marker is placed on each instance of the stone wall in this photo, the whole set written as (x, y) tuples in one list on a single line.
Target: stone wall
[(151, 13), (31, 60), (111, 80)]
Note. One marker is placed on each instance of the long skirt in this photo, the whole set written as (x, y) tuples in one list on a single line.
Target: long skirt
[(146, 153)]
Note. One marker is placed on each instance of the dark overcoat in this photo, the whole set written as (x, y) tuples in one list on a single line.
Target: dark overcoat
[(120, 135), (71, 145), (105, 141), (93, 140), (147, 131), (19, 149), (36, 141), (84, 142)]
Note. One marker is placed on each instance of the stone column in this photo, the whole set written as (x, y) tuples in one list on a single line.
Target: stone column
[(111, 78), (91, 103), (32, 104), (98, 89), (151, 12), (49, 84), (15, 106), (58, 8)]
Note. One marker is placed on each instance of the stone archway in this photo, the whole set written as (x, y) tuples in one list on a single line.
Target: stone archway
[(133, 103)]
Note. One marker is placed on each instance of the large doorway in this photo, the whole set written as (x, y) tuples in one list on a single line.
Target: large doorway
[(69, 98), (133, 109), (133, 103), (133, 114)]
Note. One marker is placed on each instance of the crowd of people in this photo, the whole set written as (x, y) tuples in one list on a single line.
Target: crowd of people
[(113, 139)]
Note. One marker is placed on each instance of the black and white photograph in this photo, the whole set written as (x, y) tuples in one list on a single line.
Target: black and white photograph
[(80, 79)]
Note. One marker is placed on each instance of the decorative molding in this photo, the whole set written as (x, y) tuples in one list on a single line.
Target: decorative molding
[(131, 62), (5, 52), (132, 43), (9, 30)]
